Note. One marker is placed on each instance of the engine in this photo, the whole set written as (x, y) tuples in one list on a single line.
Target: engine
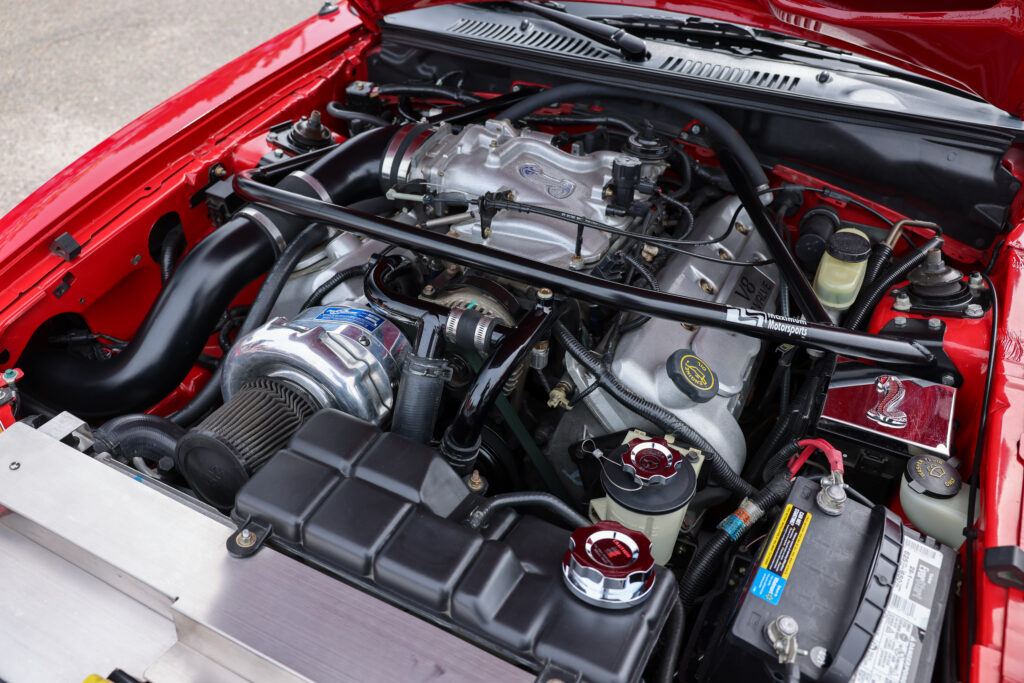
[(539, 380)]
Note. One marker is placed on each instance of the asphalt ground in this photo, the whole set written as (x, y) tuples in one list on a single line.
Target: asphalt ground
[(73, 72)]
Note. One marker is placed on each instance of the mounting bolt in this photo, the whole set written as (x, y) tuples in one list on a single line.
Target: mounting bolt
[(137, 259), (900, 321), (902, 302), (245, 539), (545, 295), (428, 290), (707, 286), (823, 77), (475, 482), (364, 340), (10, 375), (696, 129), (14, 465), (974, 311), (948, 379), (742, 228), (975, 280), (934, 324)]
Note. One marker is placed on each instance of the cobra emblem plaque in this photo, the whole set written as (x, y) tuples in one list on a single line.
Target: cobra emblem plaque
[(892, 411)]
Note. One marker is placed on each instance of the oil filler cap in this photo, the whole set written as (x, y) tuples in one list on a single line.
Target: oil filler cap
[(608, 565), (692, 375), (932, 476)]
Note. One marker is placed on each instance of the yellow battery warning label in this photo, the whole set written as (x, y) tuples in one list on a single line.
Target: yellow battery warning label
[(779, 557)]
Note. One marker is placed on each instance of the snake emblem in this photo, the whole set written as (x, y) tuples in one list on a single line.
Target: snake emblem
[(886, 412)]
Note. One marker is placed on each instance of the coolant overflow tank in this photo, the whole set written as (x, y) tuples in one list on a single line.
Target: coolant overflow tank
[(344, 358)]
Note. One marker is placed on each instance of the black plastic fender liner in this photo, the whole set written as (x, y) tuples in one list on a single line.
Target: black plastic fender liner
[(185, 313)]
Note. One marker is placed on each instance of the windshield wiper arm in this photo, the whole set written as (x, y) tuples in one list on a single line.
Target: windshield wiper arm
[(630, 46)]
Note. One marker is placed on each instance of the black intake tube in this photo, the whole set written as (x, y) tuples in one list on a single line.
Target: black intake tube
[(140, 435), (170, 338), (210, 394), (187, 309)]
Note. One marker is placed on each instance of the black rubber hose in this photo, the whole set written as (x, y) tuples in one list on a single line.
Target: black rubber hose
[(140, 435), (270, 290), (419, 397), (170, 338), (722, 133), (170, 250), (709, 556), (536, 499), (665, 420), (428, 91), (674, 629), (561, 120), (320, 292), (866, 303), (336, 110)]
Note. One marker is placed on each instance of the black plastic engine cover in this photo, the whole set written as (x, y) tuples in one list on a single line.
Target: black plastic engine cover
[(387, 513)]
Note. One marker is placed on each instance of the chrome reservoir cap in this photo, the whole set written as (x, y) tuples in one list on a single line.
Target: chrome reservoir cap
[(608, 565), (650, 460)]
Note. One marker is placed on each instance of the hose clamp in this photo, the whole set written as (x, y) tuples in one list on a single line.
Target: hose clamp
[(482, 333), (267, 226), (451, 325), (317, 186)]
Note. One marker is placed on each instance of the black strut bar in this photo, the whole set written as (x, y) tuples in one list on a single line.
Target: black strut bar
[(580, 285)]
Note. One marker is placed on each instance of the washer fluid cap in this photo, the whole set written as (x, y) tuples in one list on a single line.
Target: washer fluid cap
[(608, 565), (692, 375), (932, 476)]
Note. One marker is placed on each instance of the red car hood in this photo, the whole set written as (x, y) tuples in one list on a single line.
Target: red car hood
[(974, 45)]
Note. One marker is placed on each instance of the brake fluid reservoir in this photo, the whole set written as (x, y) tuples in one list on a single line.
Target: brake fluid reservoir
[(935, 500), (648, 483), (841, 270)]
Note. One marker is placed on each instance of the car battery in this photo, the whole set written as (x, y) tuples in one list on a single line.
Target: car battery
[(857, 596)]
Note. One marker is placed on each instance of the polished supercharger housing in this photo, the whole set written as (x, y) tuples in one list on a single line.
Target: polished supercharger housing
[(342, 357)]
